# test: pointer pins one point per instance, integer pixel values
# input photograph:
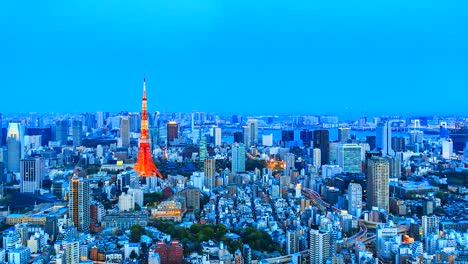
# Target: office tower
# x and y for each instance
(135, 122)
(447, 148)
(395, 166)
(238, 158)
(321, 141)
(267, 140)
(246, 136)
(145, 165)
(217, 136)
(238, 137)
(317, 156)
(61, 132)
(126, 202)
(385, 236)
(14, 146)
(287, 135)
(399, 144)
(125, 131)
(383, 139)
(32, 174)
(290, 161)
(355, 199)
(319, 249)
(77, 128)
(349, 157)
(79, 203)
(210, 170)
(100, 119)
(378, 183)
(72, 252)
(371, 141)
(306, 137)
(172, 131)
(89, 121)
(430, 225)
(203, 153)
(344, 134)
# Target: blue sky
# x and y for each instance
(262, 56)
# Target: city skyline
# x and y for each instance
(323, 58)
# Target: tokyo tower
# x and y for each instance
(145, 165)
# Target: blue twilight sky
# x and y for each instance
(245, 56)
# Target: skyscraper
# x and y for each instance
(378, 173)
(125, 131)
(306, 137)
(14, 146)
(172, 131)
(145, 165)
(79, 203)
(321, 141)
(383, 140)
(290, 161)
(238, 158)
(32, 174)
(287, 135)
(317, 156)
(77, 128)
(355, 199)
(344, 134)
(210, 170)
(251, 133)
(61, 132)
(349, 157)
(430, 225)
(217, 136)
(319, 249)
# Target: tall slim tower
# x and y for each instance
(145, 165)
(210, 171)
(79, 203)
(355, 199)
(77, 127)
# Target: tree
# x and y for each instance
(136, 232)
(137, 207)
(133, 255)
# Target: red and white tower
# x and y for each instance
(145, 165)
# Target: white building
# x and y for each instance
(355, 199)
(267, 140)
(19, 255)
(447, 148)
(126, 202)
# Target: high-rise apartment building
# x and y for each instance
(349, 157)
(79, 203)
(430, 225)
(355, 199)
(238, 158)
(319, 249)
(32, 174)
(217, 136)
(210, 171)
(378, 173)
(251, 132)
(290, 161)
(317, 157)
(321, 141)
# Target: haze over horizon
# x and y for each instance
(300, 57)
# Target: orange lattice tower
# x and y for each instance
(145, 165)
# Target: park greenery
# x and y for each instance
(192, 237)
